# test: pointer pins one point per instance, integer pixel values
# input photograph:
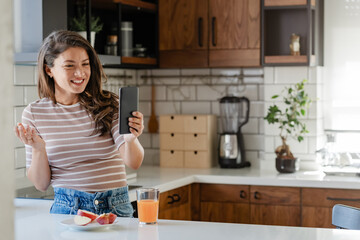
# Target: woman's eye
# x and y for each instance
(69, 66)
(86, 64)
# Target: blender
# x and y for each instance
(234, 113)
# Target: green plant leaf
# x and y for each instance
(302, 112)
(275, 96)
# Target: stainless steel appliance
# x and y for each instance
(234, 113)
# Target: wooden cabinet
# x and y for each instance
(209, 33)
(317, 204)
(175, 204)
(224, 203)
(282, 18)
(143, 18)
(275, 205)
(250, 204)
(188, 141)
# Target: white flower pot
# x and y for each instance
(83, 34)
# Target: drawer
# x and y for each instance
(196, 141)
(174, 198)
(171, 124)
(195, 123)
(171, 158)
(171, 141)
(197, 159)
(324, 197)
(275, 195)
(224, 193)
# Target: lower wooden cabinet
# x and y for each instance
(317, 204)
(286, 206)
(175, 204)
(275, 205)
(224, 203)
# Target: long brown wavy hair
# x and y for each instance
(100, 104)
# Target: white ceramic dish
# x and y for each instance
(69, 223)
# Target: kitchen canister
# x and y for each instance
(127, 39)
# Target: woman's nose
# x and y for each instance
(79, 72)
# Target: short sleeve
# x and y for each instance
(28, 120)
(118, 138)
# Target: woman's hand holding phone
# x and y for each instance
(136, 124)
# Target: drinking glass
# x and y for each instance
(148, 205)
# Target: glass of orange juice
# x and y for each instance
(148, 205)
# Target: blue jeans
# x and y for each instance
(68, 201)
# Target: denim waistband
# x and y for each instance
(98, 199)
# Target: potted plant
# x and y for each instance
(290, 124)
(78, 24)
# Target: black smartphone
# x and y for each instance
(128, 103)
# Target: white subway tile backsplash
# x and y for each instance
(269, 75)
(18, 114)
(30, 94)
(145, 108)
(226, 80)
(166, 81)
(210, 93)
(253, 80)
(290, 75)
(151, 157)
(252, 126)
(20, 173)
(24, 75)
(181, 93)
(249, 91)
(145, 93)
(256, 109)
(253, 142)
(199, 71)
(167, 108)
(165, 72)
(261, 92)
(195, 107)
(261, 125)
(18, 96)
(253, 71)
(225, 71)
(20, 158)
(155, 142)
(145, 140)
(269, 144)
(215, 108)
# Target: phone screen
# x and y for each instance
(128, 103)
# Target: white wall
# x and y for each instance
(6, 120)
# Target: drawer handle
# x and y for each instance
(195, 152)
(242, 194)
(344, 199)
(171, 201)
(172, 151)
(176, 197)
(195, 117)
(172, 134)
(195, 134)
(172, 117)
(257, 195)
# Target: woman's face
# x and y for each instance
(71, 73)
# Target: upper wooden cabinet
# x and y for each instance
(209, 33)
(281, 19)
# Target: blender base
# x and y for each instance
(231, 163)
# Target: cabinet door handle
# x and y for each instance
(214, 31)
(343, 199)
(242, 194)
(176, 197)
(257, 195)
(200, 31)
(171, 201)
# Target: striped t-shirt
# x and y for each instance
(77, 159)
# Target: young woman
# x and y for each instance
(71, 134)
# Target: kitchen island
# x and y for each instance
(33, 222)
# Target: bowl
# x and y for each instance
(285, 165)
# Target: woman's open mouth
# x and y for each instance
(77, 82)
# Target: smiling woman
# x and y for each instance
(71, 134)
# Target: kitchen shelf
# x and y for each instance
(139, 60)
(282, 18)
(141, 5)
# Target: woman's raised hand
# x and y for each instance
(29, 136)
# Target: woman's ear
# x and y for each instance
(48, 71)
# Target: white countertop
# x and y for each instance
(170, 178)
(33, 222)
